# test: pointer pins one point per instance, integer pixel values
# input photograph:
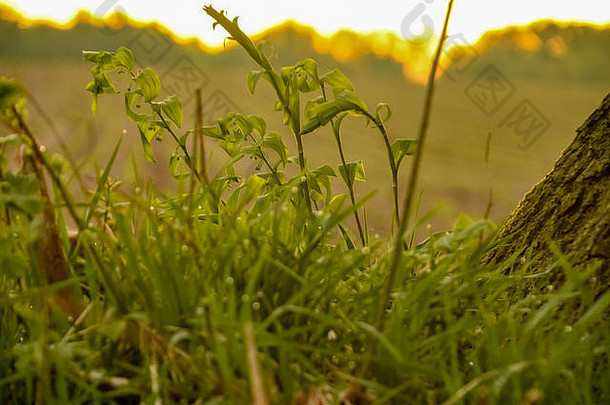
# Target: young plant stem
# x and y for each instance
(187, 155)
(276, 82)
(350, 187)
(266, 161)
(393, 167)
(489, 178)
(7, 212)
(398, 243)
(203, 170)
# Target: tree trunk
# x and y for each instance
(570, 207)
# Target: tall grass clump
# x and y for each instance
(266, 288)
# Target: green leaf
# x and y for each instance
(253, 78)
(273, 140)
(321, 177)
(353, 171)
(337, 203)
(10, 92)
(322, 113)
(402, 148)
(293, 98)
(310, 107)
(178, 168)
(258, 124)
(99, 85)
(148, 131)
(462, 222)
(149, 84)
(231, 147)
(338, 81)
(20, 192)
(354, 99)
(306, 74)
(348, 240)
(252, 189)
(130, 98)
(125, 57)
(172, 107)
(286, 73)
(325, 170)
(213, 131)
(235, 127)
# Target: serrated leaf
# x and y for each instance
(149, 84)
(353, 171)
(402, 148)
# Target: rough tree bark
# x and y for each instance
(570, 206)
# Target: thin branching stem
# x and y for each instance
(398, 247)
(350, 186)
(393, 166)
(203, 169)
(187, 155)
(261, 59)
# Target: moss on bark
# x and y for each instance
(570, 207)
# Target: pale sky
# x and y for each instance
(470, 17)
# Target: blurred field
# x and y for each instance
(49, 63)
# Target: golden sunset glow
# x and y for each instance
(345, 38)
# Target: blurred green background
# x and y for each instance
(563, 71)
